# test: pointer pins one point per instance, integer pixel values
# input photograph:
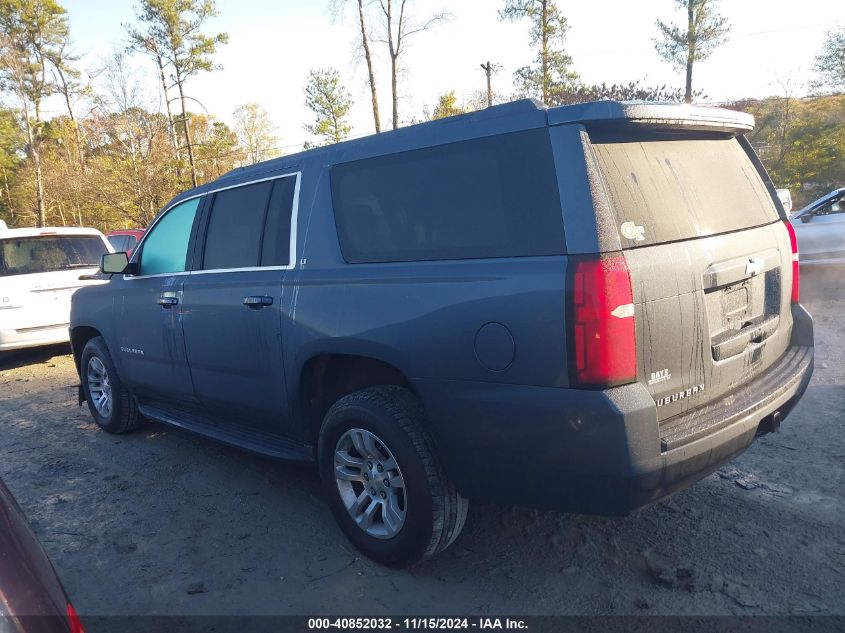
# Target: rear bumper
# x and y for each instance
(33, 337)
(600, 452)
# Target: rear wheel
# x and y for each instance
(385, 486)
(113, 408)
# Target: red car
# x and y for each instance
(32, 599)
(125, 240)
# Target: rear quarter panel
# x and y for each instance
(421, 317)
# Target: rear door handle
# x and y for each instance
(258, 301)
(168, 299)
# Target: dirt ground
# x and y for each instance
(163, 522)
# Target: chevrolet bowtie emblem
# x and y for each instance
(754, 267)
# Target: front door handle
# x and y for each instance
(258, 301)
(167, 299)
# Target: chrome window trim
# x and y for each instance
(136, 253)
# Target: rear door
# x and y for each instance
(710, 262)
(232, 305)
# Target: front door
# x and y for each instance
(232, 306)
(821, 234)
(148, 311)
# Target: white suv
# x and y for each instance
(40, 269)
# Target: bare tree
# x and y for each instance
(67, 80)
(336, 6)
(144, 42)
(682, 47)
(398, 27)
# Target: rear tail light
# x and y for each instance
(603, 347)
(796, 273)
(73, 620)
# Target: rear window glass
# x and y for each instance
(47, 253)
(490, 197)
(684, 188)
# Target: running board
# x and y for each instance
(248, 439)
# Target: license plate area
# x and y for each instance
(743, 305)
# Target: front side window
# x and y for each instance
(488, 197)
(836, 205)
(166, 247)
(47, 253)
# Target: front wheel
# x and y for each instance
(113, 408)
(385, 485)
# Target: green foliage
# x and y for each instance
(173, 27)
(31, 33)
(447, 105)
(801, 142)
(255, 133)
(704, 30)
(330, 102)
(829, 64)
(551, 71)
(633, 91)
(697, 39)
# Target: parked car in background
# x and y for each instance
(820, 229)
(125, 240)
(786, 200)
(585, 308)
(32, 599)
(40, 269)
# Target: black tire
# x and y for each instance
(435, 512)
(123, 416)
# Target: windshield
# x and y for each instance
(45, 253)
(682, 188)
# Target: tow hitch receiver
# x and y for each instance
(769, 424)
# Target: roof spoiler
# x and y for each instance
(653, 115)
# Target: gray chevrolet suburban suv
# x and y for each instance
(585, 308)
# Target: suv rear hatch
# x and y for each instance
(710, 261)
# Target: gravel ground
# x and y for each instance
(163, 522)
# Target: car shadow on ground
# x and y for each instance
(15, 359)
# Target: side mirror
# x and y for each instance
(113, 263)
(806, 217)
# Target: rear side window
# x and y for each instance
(275, 250)
(682, 188)
(490, 197)
(47, 253)
(165, 249)
(234, 230)
(250, 226)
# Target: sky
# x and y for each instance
(274, 43)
